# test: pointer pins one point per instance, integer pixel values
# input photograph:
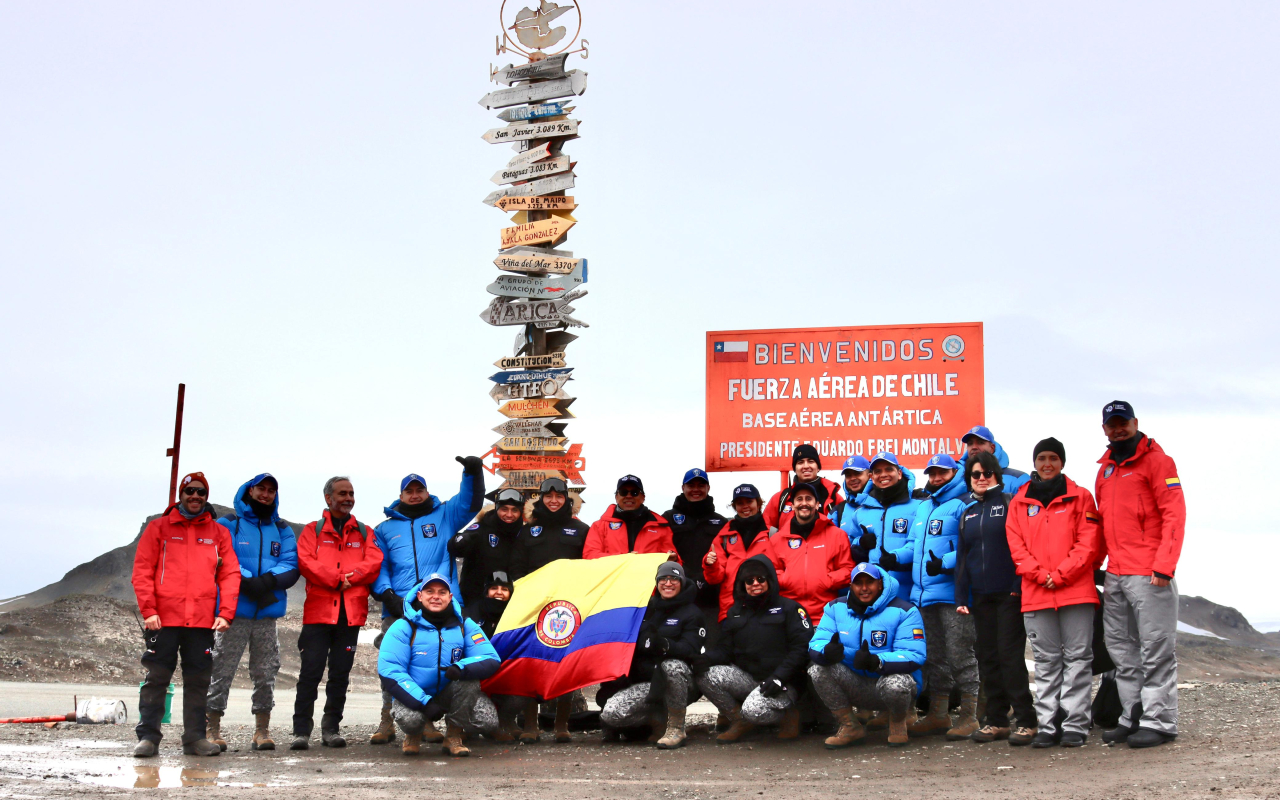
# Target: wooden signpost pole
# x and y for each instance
(540, 281)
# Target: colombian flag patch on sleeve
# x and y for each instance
(1092, 516)
(477, 637)
(917, 633)
(1173, 483)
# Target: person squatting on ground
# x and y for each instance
(186, 582)
(988, 588)
(811, 554)
(1143, 516)
(754, 673)
(487, 613)
(415, 539)
(805, 463)
(628, 526)
(867, 653)
(746, 535)
(340, 558)
(431, 662)
(268, 555)
(931, 554)
(1053, 537)
(659, 685)
(695, 524)
(883, 520)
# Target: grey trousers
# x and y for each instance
(461, 704)
(732, 689)
(840, 687)
(631, 707)
(259, 635)
(949, 643)
(1062, 643)
(1140, 622)
(386, 623)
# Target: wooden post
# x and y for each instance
(173, 452)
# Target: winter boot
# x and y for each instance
(300, 742)
(453, 745)
(877, 721)
(563, 707)
(201, 747)
(330, 737)
(657, 723)
(430, 734)
(967, 723)
(215, 730)
(674, 736)
(261, 734)
(789, 728)
(412, 744)
(507, 728)
(145, 749)
(897, 730)
(722, 723)
(738, 727)
(936, 721)
(386, 731)
(850, 731)
(529, 734)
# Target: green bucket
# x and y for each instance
(168, 703)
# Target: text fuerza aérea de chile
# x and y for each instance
(852, 387)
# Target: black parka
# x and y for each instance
(767, 637)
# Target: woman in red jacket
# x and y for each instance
(1053, 537)
(745, 536)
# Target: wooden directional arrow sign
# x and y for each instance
(534, 112)
(527, 375)
(540, 427)
(522, 312)
(539, 262)
(559, 340)
(529, 156)
(524, 172)
(524, 286)
(528, 479)
(550, 388)
(534, 443)
(574, 82)
(549, 67)
(554, 203)
(539, 407)
(569, 463)
(548, 361)
(549, 231)
(556, 183)
(536, 129)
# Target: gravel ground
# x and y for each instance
(1229, 747)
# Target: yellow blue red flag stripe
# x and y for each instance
(1173, 483)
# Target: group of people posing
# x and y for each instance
(856, 598)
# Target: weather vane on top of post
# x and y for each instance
(534, 30)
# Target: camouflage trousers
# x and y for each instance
(461, 703)
(951, 659)
(727, 686)
(259, 635)
(631, 706)
(840, 687)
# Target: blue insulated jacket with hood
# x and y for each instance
(415, 548)
(935, 531)
(264, 547)
(1013, 478)
(890, 525)
(892, 628)
(414, 654)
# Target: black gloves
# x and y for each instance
(934, 565)
(834, 651)
(269, 581)
(864, 659)
(771, 687)
(700, 665)
(656, 645)
(889, 561)
(255, 589)
(470, 464)
(867, 541)
(393, 603)
(453, 673)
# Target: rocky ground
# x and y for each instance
(1229, 747)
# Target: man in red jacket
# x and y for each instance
(628, 526)
(1143, 515)
(811, 554)
(805, 463)
(187, 580)
(340, 559)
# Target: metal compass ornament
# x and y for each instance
(533, 29)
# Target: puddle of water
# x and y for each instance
(139, 776)
(91, 744)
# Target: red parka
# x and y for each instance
(730, 553)
(1143, 511)
(186, 571)
(608, 536)
(778, 510)
(1061, 539)
(325, 557)
(812, 570)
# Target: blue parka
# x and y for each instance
(415, 548)
(892, 628)
(263, 547)
(414, 654)
(1013, 478)
(935, 530)
(891, 526)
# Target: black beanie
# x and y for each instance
(1050, 445)
(805, 451)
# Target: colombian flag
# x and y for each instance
(571, 624)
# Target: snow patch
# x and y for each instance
(1185, 628)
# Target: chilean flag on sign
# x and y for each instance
(730, 351)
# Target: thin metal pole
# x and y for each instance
(173, 452)
(786, 478)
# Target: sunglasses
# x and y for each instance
(669, 580)
(750, 579)
(629, 493)
(193, 490)
(982, 473)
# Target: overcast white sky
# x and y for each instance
(279, 204)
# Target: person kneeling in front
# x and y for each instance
(867, 652)
(431, 662)
(759, 661)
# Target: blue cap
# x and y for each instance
(888, 458)
(982, 432)
(942, 461)
(410, 478)
(436, 577)
(867, 568)
(695, 474)
(746, 490)
(1118, 408)
(257, 479)
(631, 479)
(855, 463)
